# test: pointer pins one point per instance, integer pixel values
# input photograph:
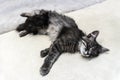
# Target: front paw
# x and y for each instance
(43, 53)
(44, 71)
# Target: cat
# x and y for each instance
(64, 34)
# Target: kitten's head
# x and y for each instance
(89, 47)
(35, 21)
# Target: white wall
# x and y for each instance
(11, 9)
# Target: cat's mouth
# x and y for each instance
(85, 54)
(82, 48)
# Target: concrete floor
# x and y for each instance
(20, 60)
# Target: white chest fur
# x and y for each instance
(53, 31)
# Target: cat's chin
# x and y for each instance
(85, 55)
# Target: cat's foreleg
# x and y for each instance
(53, 55)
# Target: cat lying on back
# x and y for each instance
(64, 34)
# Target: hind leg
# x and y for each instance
(20, 28)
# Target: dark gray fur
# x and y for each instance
(64, 34)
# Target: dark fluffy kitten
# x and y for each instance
(64, 34)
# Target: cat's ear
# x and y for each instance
(93, 35)
(85, 39)
(104, 50)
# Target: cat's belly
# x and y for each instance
(53, 32)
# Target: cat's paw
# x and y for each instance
(43, 53)
(44, 71)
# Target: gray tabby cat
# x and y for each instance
(64, 34)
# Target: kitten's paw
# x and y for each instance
(43, 53)
(44, 71)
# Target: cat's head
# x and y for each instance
(89, 47)
(34, 22)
